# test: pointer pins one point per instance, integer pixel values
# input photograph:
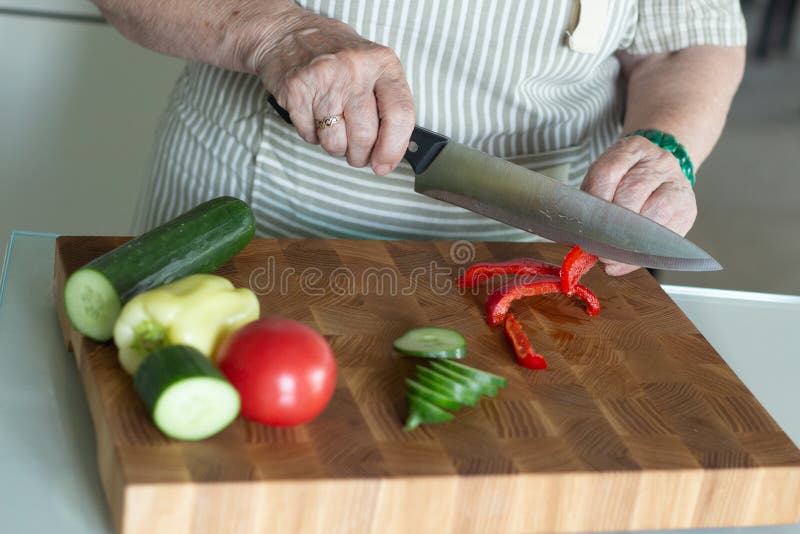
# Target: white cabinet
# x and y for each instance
(79, 106)
(75, 7)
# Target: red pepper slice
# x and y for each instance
(576, 263)
(526, 356)
(499, 302)
(480, 272)
(591, 300)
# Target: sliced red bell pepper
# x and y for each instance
(591, 300)
(498, 303)
(480, 272)
(523, 350)
(576, 263)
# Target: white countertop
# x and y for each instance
(48, 472)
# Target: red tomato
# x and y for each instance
(284, 371)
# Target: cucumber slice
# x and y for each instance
(187, 396)
(476, 374)
(478, 387)
(455, 390)
(432, 342)
(431, 395)
(421, 411)
(198, 241)
(90, 299)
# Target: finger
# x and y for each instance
(670, 205)
(311, 88)
(361, 120)
(296, 100)
(333, 138)
(619, 269)
(660, 205)
(682, 222)
(606, 172)
(635, 188)
(396, 110)
(634, 191)
(673, 206)
(616, 268)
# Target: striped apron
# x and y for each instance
(497, 75)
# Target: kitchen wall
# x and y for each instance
(78, 108)
(748, 191)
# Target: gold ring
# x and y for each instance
(329, 121)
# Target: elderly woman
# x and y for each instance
(580, 90)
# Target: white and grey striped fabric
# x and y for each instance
(493, 74)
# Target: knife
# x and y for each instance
(493, 187)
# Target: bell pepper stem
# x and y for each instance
(149, 336)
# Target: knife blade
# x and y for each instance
(495, 188)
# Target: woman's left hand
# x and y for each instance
(636, 174)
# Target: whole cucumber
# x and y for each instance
(198, 241)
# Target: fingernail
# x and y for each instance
(383, 169)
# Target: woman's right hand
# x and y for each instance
(320, 68)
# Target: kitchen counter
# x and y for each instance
(47, 452)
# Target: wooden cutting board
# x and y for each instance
(637, 423)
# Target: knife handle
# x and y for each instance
(281, 111)
(423, 147)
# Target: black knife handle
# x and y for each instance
(282, 112)
(423, 147)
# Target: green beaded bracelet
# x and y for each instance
(670, 144)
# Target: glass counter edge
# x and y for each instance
(10, 249)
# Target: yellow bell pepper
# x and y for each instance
(198, 310)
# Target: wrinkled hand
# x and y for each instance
(322, 67)
(636, 174)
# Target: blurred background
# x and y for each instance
(79, 106)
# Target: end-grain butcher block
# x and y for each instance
(636, 424)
